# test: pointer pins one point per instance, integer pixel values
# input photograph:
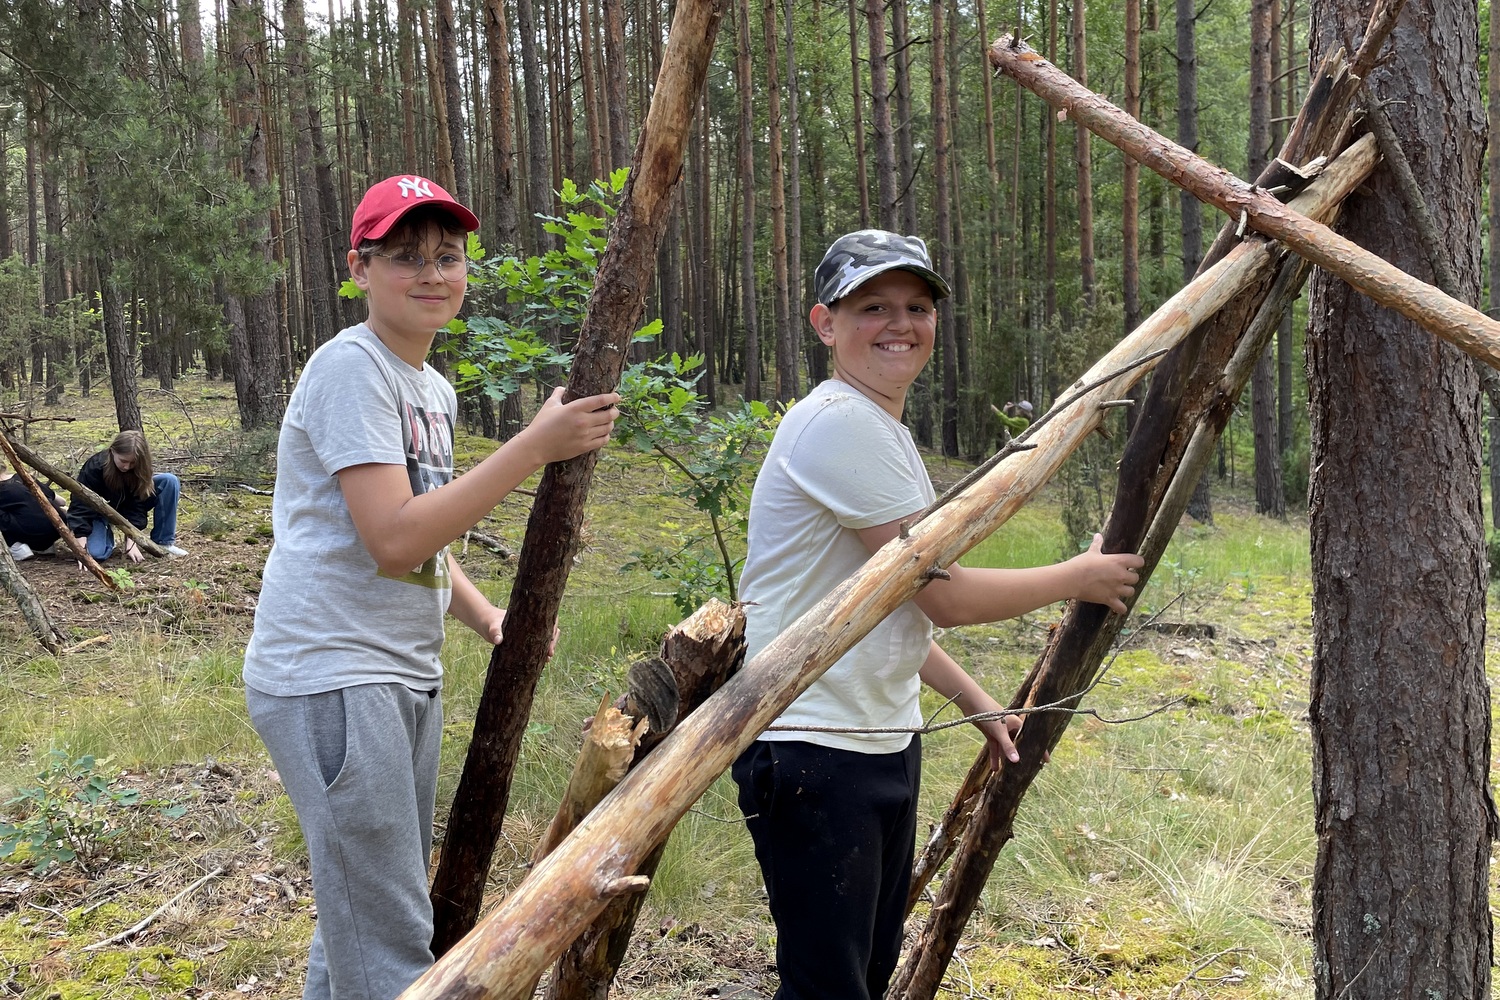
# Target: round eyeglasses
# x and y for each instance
(450, 266)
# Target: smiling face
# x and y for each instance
(881, 335)
(406, 313)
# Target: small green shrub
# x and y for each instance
(71, 816)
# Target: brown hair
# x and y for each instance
(138, 481)
(406, 233)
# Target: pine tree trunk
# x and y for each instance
(1494, 232)
(862, 175)
(1190, 210)
(1269, 499)
(1084, 160)
(1049, 189)
(593, 115)
(748, 317)
(906, 155)
(614, 75)
(1400, 707)
(786, 344)
(453, 101)
(319, 284)
(943, 250)
(797, 314)
(257, 374)
(880, 116)
(1130, 225)
(538, 173)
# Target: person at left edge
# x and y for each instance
(342, 674)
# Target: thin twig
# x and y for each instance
(1193, 972)
(1021, 441)
(151, 917)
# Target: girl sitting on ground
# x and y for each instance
(122, 474)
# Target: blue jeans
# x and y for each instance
(163, 519)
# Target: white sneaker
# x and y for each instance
(20, 552)
(174, 551)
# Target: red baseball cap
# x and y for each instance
(386, 202)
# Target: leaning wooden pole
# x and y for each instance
(1461, 325)
(600, 859)
(614, 313)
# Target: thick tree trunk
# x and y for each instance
(124, 383)
(614, 312)
(453, 100)
(614, 75)
(796, 272)
(1400, 890)
(319, 285)
(538, 173)
(1049, 188)
(906, 154)
(260, 369)
(506, 219)
(1494, 231)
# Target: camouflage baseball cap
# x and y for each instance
(858, 257)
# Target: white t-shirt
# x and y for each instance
(328, 618)
(838, 463)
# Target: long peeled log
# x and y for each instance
(511, 947)
(1250, 260)
(1463, 326)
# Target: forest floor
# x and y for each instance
(1169, 858)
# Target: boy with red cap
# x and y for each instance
(342, 675)
(830, 794)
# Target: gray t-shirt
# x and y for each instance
(328, 617)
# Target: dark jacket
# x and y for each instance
(81, 516)
(22, 518)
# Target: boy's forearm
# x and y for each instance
(467, 604)
(943, 674)
(973, 596)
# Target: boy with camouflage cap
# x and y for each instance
(833, 814)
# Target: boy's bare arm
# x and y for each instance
(943, 674)
(973, 596)
(402, 531)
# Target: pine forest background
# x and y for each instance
(177, 181)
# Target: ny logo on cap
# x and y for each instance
(415, 186)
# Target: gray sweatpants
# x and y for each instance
(360, 766)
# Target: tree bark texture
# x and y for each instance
(1268, 494)
(614, 312)
(880, 116)
(784, 331)
(1400, 707)
(745, 86)
(1083, 162)
(943, 250)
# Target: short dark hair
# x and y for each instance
(405, 234)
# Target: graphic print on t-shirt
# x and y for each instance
(428, 439)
